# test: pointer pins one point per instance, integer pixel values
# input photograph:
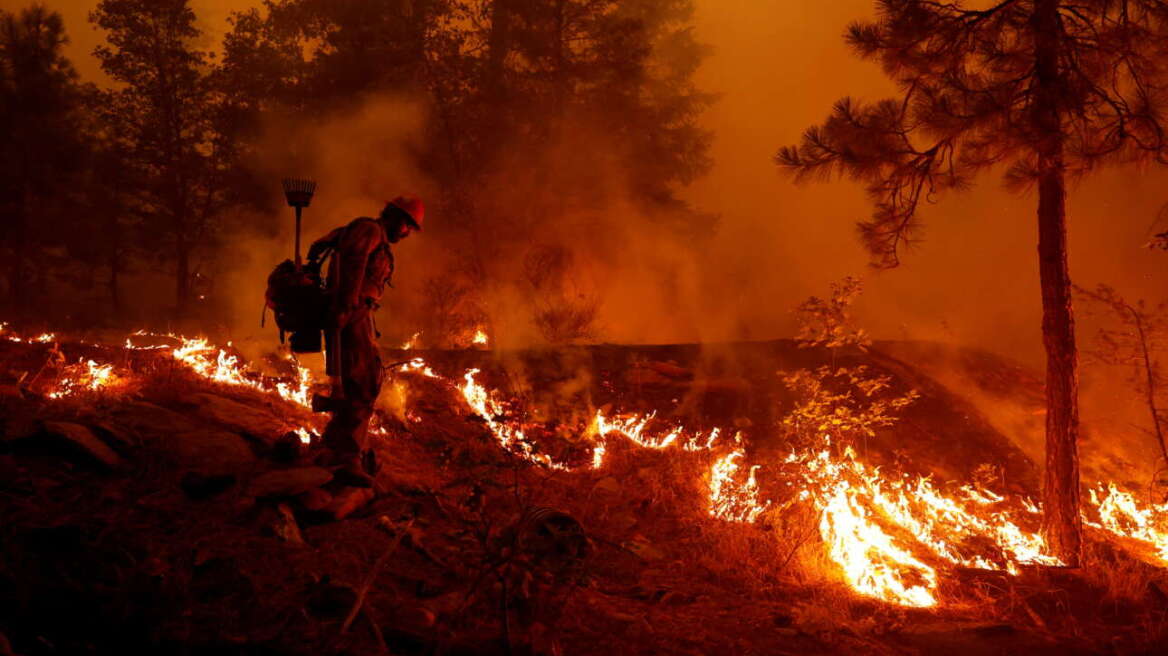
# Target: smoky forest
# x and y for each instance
(583, 327)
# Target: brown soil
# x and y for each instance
(175, 555)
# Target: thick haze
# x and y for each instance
(778, 65)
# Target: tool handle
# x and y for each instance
(298, 237)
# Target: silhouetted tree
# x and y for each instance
(109, 234)
(531, 76)
(1049, 89)
(41, 145)
(163, 111)
(1133, 339)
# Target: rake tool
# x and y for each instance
(298, 192)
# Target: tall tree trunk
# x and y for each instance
(115, 267)
(19, 280)
(1062, 525)
(182, 279)
(498, 45)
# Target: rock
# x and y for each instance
(348, 500)
(330, 600)
(150, 422)
(257, 423)
(416, 617)
(289, 482)
(288, 448)
(285, 526)
(208, 452)
(671, 370)
(649, 377)
(81, 438)
(607, 484)
(197, 486)
(641, 546)
(315, 499)
(114, 434)
(11, 393)
(19, 427)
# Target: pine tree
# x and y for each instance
(1048, 89)
(41, 145)
(164, 109)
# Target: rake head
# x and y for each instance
(299, 191)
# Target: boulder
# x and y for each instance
(113, 434)
(208, 452)
(671, 370)
(639, 376)
(18, 426)
(148, 421)
(198, 487)
(256, 422)
(11, 393)
(348, 500)
(289, 482)
(284, 525)
(315, 500)
(82, 440)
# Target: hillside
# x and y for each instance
(160, 496)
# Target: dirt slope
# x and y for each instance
(199, 529)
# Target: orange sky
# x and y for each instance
(779, 64)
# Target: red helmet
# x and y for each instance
(413, 207)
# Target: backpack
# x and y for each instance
(299, 301)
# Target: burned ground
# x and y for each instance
(174, 515)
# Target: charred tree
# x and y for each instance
(1047, 89)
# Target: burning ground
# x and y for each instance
(159, 495)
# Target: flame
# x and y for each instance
(632, 427)
(299, 393)
(859, 503)
(217, 365)
(480, 338)
(509, 435)
(1120, 514)
(892, 536)
(871, 562)
(411, 343)
(418, 365)
(43, 338)
(87, 376)
(731, 500)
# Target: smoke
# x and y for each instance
(777, 66)
(360, 160)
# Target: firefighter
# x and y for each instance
(359, 269)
